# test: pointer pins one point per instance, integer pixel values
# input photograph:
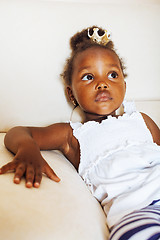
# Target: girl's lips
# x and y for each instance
(103, 97)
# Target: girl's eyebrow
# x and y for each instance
(113, 65)
(84, 68)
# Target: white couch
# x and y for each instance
(34, 43)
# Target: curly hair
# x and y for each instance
(79, 43)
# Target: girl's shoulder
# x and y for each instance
(153, 128)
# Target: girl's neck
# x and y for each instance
(96, 117)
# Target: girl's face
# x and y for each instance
(97, 83)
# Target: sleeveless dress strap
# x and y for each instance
(129, 107)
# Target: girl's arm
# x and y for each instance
(26, 143)
(155, 131)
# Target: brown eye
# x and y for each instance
(87, 77)
(112, 75)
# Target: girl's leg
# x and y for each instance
(139, 225)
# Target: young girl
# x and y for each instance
(117, 156)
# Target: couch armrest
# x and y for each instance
(64, 210)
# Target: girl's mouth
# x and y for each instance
(103, 97)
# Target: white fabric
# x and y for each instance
(119, 162)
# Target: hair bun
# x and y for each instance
(79, 39)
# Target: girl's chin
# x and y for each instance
(105, 112)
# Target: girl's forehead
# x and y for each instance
(96, 53)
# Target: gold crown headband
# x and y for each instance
(95, 37)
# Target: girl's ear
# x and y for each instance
(71, 96)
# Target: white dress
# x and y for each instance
(119, 162)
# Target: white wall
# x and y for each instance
(34, 43)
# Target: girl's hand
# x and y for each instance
(31, 164)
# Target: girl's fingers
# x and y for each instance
(38, 178)
(33, 175)
(8, 167)
(29, 176)
(20, 170)
(50, 173)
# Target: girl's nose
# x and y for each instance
(101, 85)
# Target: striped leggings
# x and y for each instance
(139, 225)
